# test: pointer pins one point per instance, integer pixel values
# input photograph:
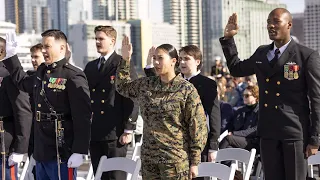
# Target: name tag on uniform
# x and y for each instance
(291, 71)
(57, 83)
(258, 62)
(1, 78)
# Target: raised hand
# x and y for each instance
(11, 44)
(126, 49)
(151, 55)
(232, 26)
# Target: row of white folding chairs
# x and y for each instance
(233, 154)
(205, 169)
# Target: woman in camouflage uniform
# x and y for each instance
(175, 130)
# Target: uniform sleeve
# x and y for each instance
(214, 124)
(22, 117)
(130, 108)
(79, 98)
(196, 119)
(124, 84)
(19, 77)
(313, 83)
(236, 67)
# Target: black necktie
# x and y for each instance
(275, 59)
(102, 62)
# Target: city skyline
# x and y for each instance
(294, 6)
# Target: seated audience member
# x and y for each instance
(243, 127)
(231, 94)
(226, 111)
(251, 80)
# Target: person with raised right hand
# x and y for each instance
(62, 104)
(289, 86)
(174, 129)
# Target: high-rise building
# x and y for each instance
(186, 15)
(114, 9)
(312, 24)
(58, 11)
(82, 39)
(145, 34)
(40, 15)
(28, 15)
(144, 9)
(297, 27)
(19, 13)
(79, 10)
(252, 21)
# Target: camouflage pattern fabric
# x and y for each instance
(174, 127)
(177, 171)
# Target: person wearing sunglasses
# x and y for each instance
(243, 127)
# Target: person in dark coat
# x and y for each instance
(114, 116)
(289, 81)
(61, 95)
(16, 119)
(243, 128)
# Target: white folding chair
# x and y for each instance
(223, 135)
(137, 151)
(26, 173)
(90, 175)
(238, 154)
(135, 156)
(24, 169)
(259, 172)
(118, 163)
(313, 160)
(217, 170)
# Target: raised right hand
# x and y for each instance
(11, 44)
(151, 55)
(126, 49)
(232, 26)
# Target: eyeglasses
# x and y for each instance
(247, 95)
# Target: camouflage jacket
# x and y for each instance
(174, 120)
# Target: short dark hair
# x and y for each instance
(56, 33)
(170, 49)
(37, 47)
(193, 51)
(109, 30)
(173, 53)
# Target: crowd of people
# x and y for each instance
(58, 113)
